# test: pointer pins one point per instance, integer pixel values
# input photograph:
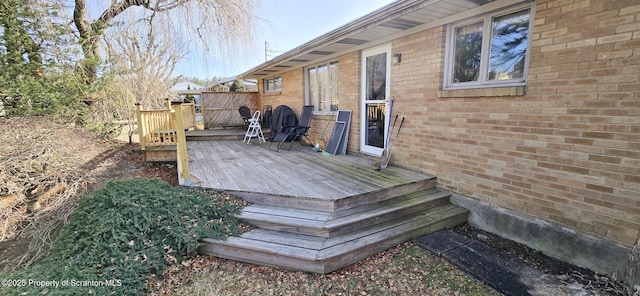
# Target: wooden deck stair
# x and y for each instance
(321, 238)
(221, 134)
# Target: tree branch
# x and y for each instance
(83, 26)
(118, 7)
(169, 5)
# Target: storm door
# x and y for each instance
(375, 98)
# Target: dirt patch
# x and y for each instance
(562, 275)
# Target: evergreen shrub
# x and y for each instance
(121, 233)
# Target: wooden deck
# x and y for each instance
(320, 180)
(316, 212)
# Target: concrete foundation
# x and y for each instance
(583, 250)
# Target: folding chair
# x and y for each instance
(245, 113)
(293, 133)
(254, 129)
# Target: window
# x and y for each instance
(489, 51)
(322, 86)
(273, 84)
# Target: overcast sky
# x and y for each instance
(284, 24)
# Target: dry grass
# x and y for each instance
(41, 178)
(403, 270)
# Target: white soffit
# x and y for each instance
(396, 20)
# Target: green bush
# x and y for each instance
(104, 130)
(123, 232)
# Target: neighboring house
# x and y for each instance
(224, 85)
(189, 90)
(528, 110)
(186, 85)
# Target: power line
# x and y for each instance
(269, 54)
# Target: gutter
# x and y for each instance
(373, 19)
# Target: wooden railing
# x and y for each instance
(182, 158)
(156, 128)
(189, 115)
(167, 127)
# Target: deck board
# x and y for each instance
(231, 165)
(316, 212)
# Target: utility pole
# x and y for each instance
(268, 52)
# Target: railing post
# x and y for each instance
(193, 115)
(141, 131)
(184, 176)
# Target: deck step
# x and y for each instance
(160, 153)
(342, 204)
(323, 255)
(328, 225)
(214, 137)
(220, 134)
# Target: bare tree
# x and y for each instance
(143, 62)
(140, 65)
(214, 23)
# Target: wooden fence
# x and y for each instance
(220, 109)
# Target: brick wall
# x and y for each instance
(565, 148)
(348, 94)
(292, 93)
(567, 151)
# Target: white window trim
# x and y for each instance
(486, 42)
(307, 99)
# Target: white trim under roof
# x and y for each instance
(393, 21)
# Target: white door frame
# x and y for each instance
(364, 124)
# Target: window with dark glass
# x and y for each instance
(376, 71)
(510, 34)
(273, 84)
(491, 51)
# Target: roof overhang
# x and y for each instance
(188, 91)
(394, 21)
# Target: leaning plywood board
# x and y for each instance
(336, 136)
(345, 116)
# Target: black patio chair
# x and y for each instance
(292, 133)
(245, 113)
